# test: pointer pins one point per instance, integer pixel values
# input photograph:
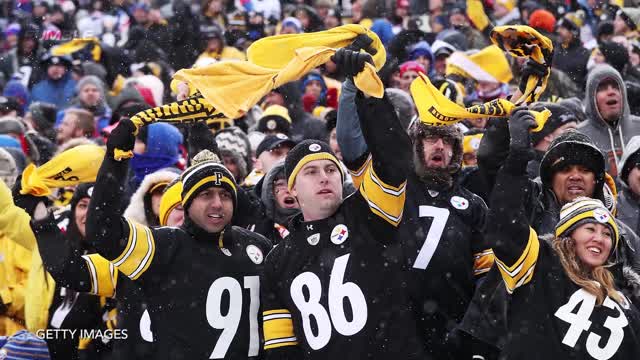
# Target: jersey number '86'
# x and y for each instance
(340, 294)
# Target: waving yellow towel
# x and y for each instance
(78, 44)
(436, 109)
(233, 87)
(524, 41)
(74, 166)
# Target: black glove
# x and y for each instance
(362, 42)
(520, 122)
(121, 139)
(201, 138)
(27, 202)
(529, 68)
(351, 62)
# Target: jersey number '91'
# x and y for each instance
(230, 322)
(338, 292)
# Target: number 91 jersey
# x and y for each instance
(552, 318)
(334, 289)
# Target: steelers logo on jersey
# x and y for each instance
(459, 203)
(225, 251)
(339, 234)
(255, 254)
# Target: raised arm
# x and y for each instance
(515, 244)
(383, 182)
(352, 143)
(129, 246)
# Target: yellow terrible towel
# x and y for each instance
(74, 45)
(436, 109)
(524, 41)
(74, 166)
(233, 87)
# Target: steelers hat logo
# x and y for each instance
(90, 191)
(601, 215)
(282, 136)
(314, 147)
(271, 124)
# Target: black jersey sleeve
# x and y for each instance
(483, 257)
(384, 175)
(82, 273)
(280, 340)
(514, 242)
(130, 246)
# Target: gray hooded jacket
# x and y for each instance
(603, 135)
(629, 203)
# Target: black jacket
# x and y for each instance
(184, 273)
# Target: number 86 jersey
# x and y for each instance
(333, 290)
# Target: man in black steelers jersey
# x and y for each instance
(202, 279)
(333, 288)
(444, 251)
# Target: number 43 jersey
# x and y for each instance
(552, 318)
(333, 290)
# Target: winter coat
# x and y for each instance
(139, 209)
(14, 263)
(572, 60)
(606, 137)
(628, 204)
(275, 222)
(59, 92)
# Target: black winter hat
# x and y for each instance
(82, 191)
(43, 114)
(305, 152)
(632, 162)
(206, 171)
(572, 148)
(560, 115)
(615, 54)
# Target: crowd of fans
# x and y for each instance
(73, 72)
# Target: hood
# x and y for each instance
(136, 210)
(632, 147)
(280, 216)
(596, 76)
(422, 48)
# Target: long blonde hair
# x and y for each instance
(597, 281)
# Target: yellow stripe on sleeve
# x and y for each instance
(521, 272)
(384, 200)
(138, 254)
(278, 329)
(483, 261)
(358, 175)
(103, 275)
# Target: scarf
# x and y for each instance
(434, 108)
